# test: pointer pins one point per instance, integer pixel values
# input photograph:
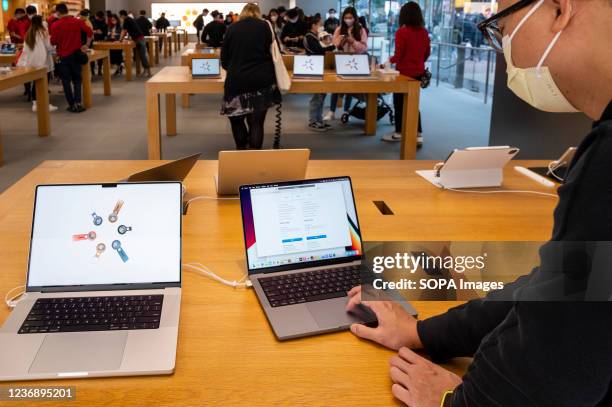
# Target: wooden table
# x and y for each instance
(128, 54)
(93, 56)
(177, 79)
(8, 59)
(183, 37)
(152, 49)
(175, 40)
(227, 353)
(166, 44)
(19, 76)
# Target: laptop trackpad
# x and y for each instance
(80, 352)
(332, 313)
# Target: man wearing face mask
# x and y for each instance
(332, 21)
(530, 353)
(293, 32)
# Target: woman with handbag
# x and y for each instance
(37, 53)
(251, 82)
(411, 51)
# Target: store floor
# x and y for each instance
(115, 128)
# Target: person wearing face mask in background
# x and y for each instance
(293, 32)
(332, 22)
(18, 26)
(530, 353)
(350, 37)
(274, 18)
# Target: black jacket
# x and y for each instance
(102, 26)
(162, 23)
(293, 30)
(213, 34)
(541, 353)
(313, 46)
(331, 24)
(144, 24)
(246, 57)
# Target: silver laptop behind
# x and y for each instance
(353, 66)
(304, 253)
(103, 287)
(238, 168)
(308, 66)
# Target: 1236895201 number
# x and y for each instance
(8, 393)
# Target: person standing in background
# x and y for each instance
(293, 32)
(313, 46)
(18, 26)
(229, 19)
(129, 26)
(114, 34)
(66, 35)
(332, 21)
(36, 53)
(100, 32)
(250, 86)
(84, 17)
(143, 23)
(162, 23)
(275, 20)
(352, 38)
(214, 31)
(198, 23)
(412, 48)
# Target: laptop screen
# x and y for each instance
(300, 224)
(98, 235)
(311, 65)
(352, 64)
(205, 67)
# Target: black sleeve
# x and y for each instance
(204, 34)
(225, 50)
(554, 353)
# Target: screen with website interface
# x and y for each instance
(89, 234)
(205, 66)
(292, 224)
(308, 64)
(347, 64)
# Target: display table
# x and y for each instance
(8, 59)
(152, 49)
(96, 55)
(128, 54)
(186, 58)
(174, 80)
(19, 76)
(165, 39)
(227, 353)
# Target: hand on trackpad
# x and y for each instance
(365, 314)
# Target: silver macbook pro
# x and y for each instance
(304, 253)
(353, 66)
(205, 68)
(308, 66)
(238, 168)
(103, 287)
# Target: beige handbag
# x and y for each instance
(283, 81)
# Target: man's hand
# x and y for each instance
(419, 382)
(396, 328)
(84, 48)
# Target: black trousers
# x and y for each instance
(398, 106)
(69, 70)
(250, 138)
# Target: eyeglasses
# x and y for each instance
(490, 27)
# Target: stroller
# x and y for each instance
(358, 110)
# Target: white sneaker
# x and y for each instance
(52, 108)
(392, 137)
(419, 139)
(329, 116)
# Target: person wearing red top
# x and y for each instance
(66, 35)
(411, 51)
(18, 26)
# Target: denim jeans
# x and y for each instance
(334, 102)
(315, 114)
(141, 49)
(69, 71)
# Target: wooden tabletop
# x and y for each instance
(227, 353)
(8, 59)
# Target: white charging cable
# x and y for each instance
(12, 301)
(244, 282)
(508, 191)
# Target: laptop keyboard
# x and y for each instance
(93, 314)
(310, 286)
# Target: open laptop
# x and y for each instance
(205, 68)
(175, 170)
(238, 168)
(353, 66)
(308, 66)
(304, 253)
(103, 288)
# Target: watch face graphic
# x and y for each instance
(308, 64)
(352, 64)
(98, 221)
